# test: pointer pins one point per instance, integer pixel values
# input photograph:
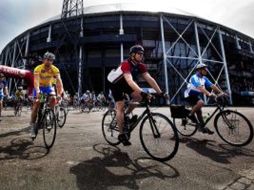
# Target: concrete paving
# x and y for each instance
(81, 159)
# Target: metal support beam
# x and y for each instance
(197, 42)
(164, 54)
(225, 66)
(80, 71)
(72, 8)
(27, 48)
(13, 62)
(49, 34)
(81, 34)
(199, 50)
(121, 32)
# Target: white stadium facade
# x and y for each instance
(90, 44)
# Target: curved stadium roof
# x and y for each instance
(129, 7)
(141, 7)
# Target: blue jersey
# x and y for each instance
(196, 81)
(2, 86)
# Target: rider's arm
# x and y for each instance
(5, 91)
(204, 91)
(216, 89)
(37, 82)
(59, 84)
(150, 80)
(131, 82)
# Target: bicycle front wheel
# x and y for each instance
(49, 128)
(233, 128)
(61, 117)
(110, 130)
(159, 137)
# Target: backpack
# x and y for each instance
(115, 74)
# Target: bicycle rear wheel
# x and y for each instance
(185, 127)
(159, 137)
(233, 128)
(110, 130)
(61, 117)
(49, 128)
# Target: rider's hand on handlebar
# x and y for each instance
(164, 95)
(59, 98)
(146, 96)
(212, 96)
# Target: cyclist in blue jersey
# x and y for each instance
(124, 81)
(3, 91)
(196, 87)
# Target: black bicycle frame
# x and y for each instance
(214, 112)
(146, 112)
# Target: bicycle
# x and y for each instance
(155, 133)
(61, 114)
(46, 121)
(230, 125)
(18, 107)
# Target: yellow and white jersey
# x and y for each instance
(46, 77)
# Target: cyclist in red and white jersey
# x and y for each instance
(124, 81)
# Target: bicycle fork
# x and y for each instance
(152, 122)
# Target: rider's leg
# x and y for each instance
(198, 111)
(34, 112)
(120, 122)
(200, 117)
(197, 107)
(120, 115)
(136, 97)
(52, 101)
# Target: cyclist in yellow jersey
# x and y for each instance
(44, 75)
(19, 93)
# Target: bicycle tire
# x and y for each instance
(110, 130)
(184, 127)
(232, 128)
(61, 122)
(49, 126)
(19, 111)
(153, 150)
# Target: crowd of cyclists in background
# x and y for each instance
(89, 99)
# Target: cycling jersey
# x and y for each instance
(116, 76)
(120, 86)
(19, 94)
(196, 81)
(46, 77)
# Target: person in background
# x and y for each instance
(3, 91)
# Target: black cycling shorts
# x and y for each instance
(192, 100)
(119, 89)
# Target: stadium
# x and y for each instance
(89, 44)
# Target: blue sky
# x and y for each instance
(16, 16)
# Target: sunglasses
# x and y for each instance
(140, 53)
(51, 60)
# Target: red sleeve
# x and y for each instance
(125, 66)
(142, 68)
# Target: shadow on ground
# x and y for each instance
(115, 169)
(22, 148)
(217, 152)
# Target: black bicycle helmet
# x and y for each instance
(136, 49)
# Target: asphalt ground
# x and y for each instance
(81, 159)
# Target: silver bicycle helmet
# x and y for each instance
(49, 55)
